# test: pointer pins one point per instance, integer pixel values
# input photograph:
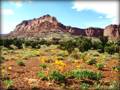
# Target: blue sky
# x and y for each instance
(80, 14)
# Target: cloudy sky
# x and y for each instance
(80, 13)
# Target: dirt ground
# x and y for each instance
(26, 76)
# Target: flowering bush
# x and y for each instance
(60, 63)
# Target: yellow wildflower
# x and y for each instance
(9, 67)
(3, 70)
(60, 63)
(53, 50)
(43, 59)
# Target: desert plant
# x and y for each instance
(91, 61)
(8, 83)
(114, 85)
(116, 68)
(100, 66)
(43, 66)
(84, 86)
(86, 74)
(76, 53)
(20, 63)
(2, 59)
(42, 75)
(57, 76)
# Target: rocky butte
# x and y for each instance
(47, 24)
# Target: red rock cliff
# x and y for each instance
(47, 23)
(112, 32)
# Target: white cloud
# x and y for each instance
(7, 11)
(108, 8)
(7, 27)
(17, 3)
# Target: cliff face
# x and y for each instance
(47, 24)
(112, 32)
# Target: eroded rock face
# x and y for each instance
(94, 32)
(112, 32)
(48, 24)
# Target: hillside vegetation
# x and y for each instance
(71, 63)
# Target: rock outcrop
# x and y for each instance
(112, 32)
(47, 24)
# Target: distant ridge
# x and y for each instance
(38, 27)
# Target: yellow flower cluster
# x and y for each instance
(53, 50)
(60, 63)
(43, 59)
(3, 70)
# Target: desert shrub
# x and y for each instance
(62, 53)
(116, 68)
(1, 42)
(68, 45)
(2, 59)
(29, 53)
(104, 41)
(76, 53)
(13, 47)
(43, 42)
(18, 43)
(8, 83)
(34, 44)
(96, 44)
(85, 74)
(4, 74)
(114, 85)
(20, 63)
(84, 86)
(43, 66)
(83, 44)
(57, 76)
(42, 75)
(91, 61)
(15, 42)
(112, 47)
(100, 66)
(7, 42)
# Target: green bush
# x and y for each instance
(42, 75)
(20, 63)
(82, 43)
(85, 74)
(76, 53)
(116, 68)
(8, 83)
(112, 47)
(100, 66)
(57, 76)
(96, 44)
(43, 66)
(2, 59)
(91, 61)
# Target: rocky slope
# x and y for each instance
(47, 25)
